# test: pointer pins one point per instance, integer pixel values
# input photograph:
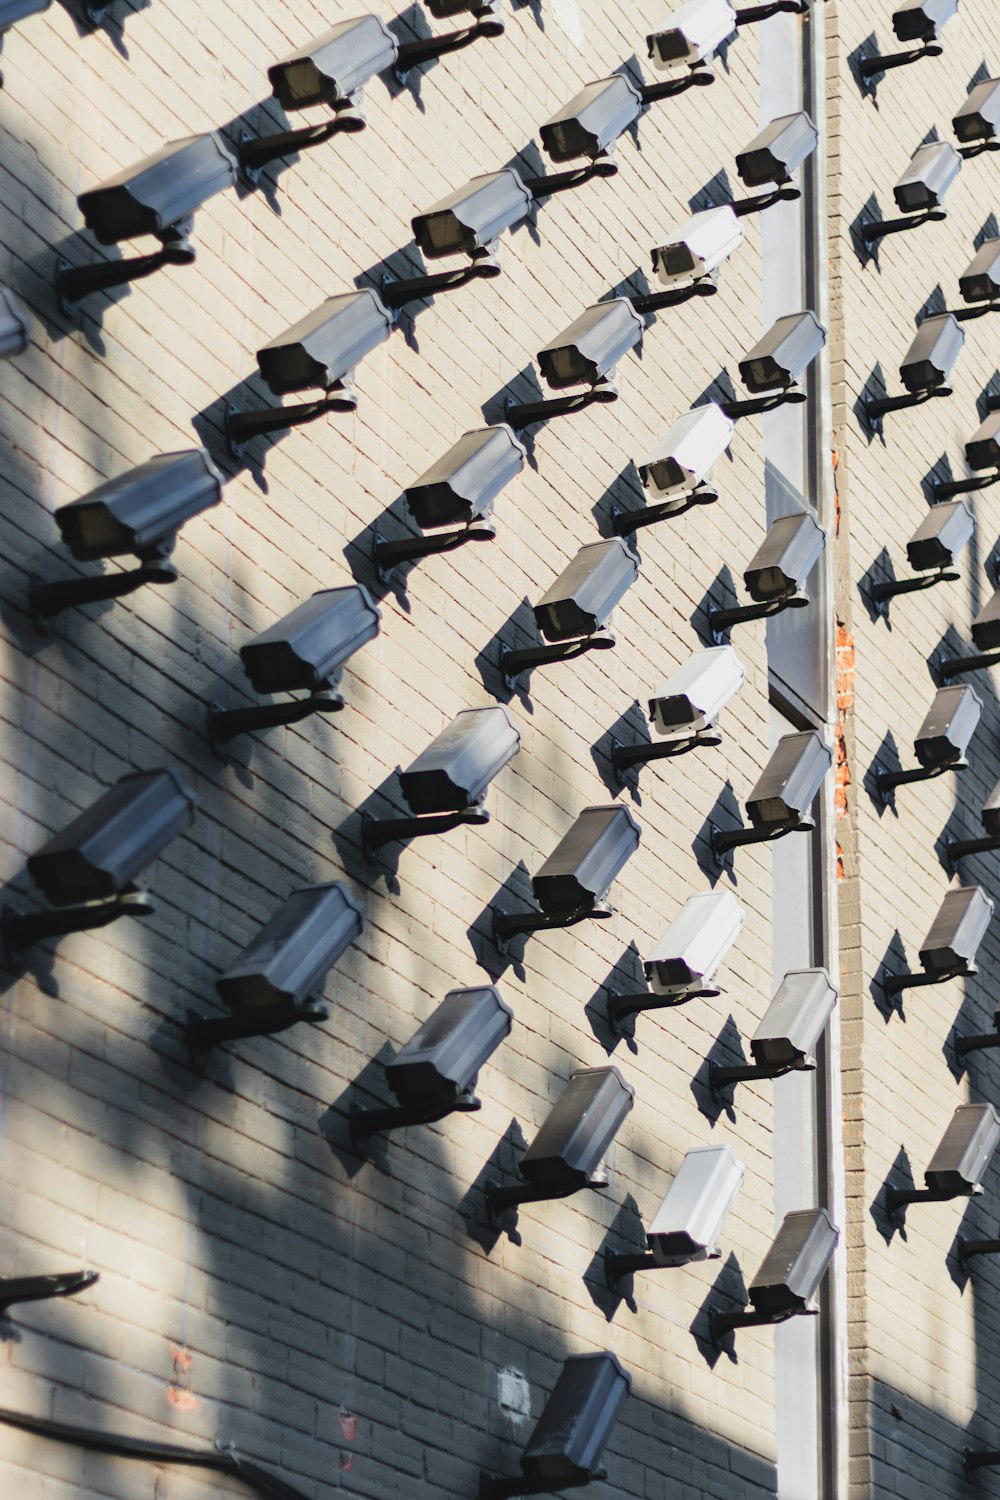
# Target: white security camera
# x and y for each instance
(684, 456)
(694, 945)
(698, 247)
(686, 1225)
(695, 30)
(15, 325)
(692, 698)
(932, 170)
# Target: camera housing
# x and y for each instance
(931, 172)
(941, 536)
(442, 1059)
(979, 117)
(795, 1264)
(160, 192)
(334, 67)
(781, 147)
(980, 282)
(692, 698)
(696, 30)
(141, 509)
(288, 959)
(948, 727)
(698, 247)
(785, 558)
(588, 350)
(694, 945)
(960, 1161)
(957, 930)
(470, 220)
(929, 359)
(461, 486)
(592, 120)
(922, 20)
(783, 354)
(687, 1223)
(323, 348)
(795, 1020)
(102, 851)
(307, 648)
(457, 767)
(982, 451)
(790, 782)
(15, 325)
(572, 1139)
(986, 625)
(576, 1423)
(684, 456)
(583, 598)
(587, 859)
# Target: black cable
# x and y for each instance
(224, 1459)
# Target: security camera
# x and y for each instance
(319, 352)
(158, 196)
(271, 984)
(471, 220)
(956, 849)
(695, 943)
(323, 348)
(790, 782)
(692, 698)
(139, 512)
(948, 727)
(434, 1074)
(684, 456)
(308, 647)
(455, 770)
(795, 1020)
(159, 193)
(791, 1271)
(785, 558)
(15, 325)
(979, 117)
(698, 247)
(795, 1264)
(588, 350)
(956, 932)
(990, 812)
(960, 1161)
(688, 1222)
(959, 1164)
(982, 451)
(784, 353)
(461, 486)
(333, 68)
(774, 154)
(143, 509)
(592, 120)
(986, 625)
(572, 1432)
(442, 1059)
(695, 31)
(12, 11)
(572, 1140)
(284, 965)
(922, 20)
(88, 869)
(932, 170)
(931, 356)
(941, 536)
(980, 282)
(587, 860)
(583, 598)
